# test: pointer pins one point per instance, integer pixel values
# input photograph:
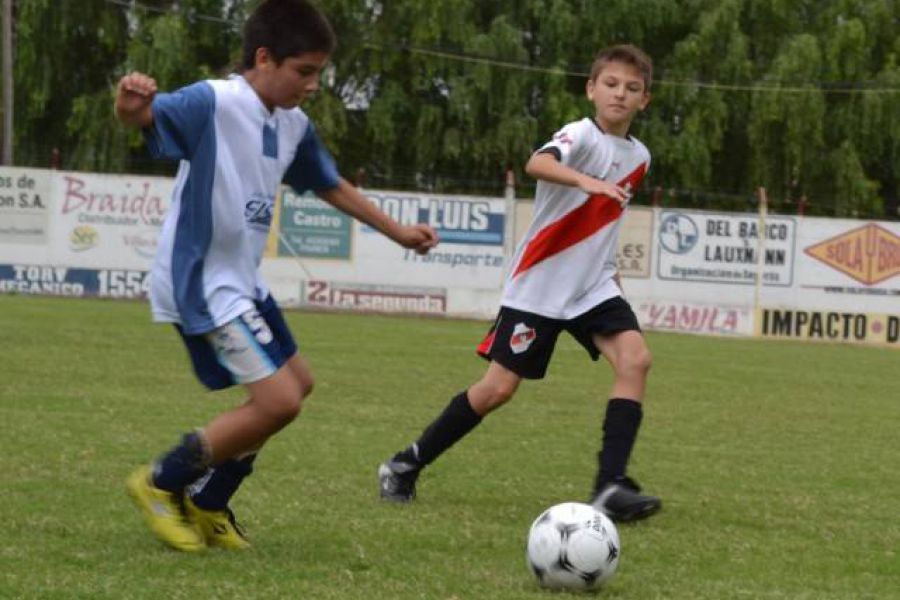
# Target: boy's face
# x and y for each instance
(618, 93)
(290, 83)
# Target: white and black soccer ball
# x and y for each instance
(573, 546)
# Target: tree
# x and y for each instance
(50, 76)
(70, 54)
(801, 96)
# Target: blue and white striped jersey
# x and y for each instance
(234, 154)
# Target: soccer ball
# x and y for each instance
(572, 546)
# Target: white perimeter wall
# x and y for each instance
(82, 234)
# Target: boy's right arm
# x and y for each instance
(545, 166)
(346, 198)
(134, 99)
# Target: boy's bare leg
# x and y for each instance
(229, 443)
(299, 366)
(214, 494)
(630, 359)
(494, 389)
(614, 493)
(208, 499)
(274, 402)
(397, 476)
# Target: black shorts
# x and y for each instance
(523, 342)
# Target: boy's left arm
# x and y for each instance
(348, 199)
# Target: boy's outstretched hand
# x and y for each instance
(134, 97)
(418, 237)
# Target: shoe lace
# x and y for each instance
(178, 500)
(233, 520)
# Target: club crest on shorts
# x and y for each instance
(521, 338)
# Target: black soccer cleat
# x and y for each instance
(621, 500)
(397, 481)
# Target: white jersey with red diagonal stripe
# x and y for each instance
(565, 264)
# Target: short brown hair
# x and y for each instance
(628, 54)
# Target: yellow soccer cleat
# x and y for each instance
(163, 513)
(219, 527)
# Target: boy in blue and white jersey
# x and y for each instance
(237, 140)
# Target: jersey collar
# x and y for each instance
(600, 127)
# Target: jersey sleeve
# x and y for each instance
(180, 119)
(647, 159)
(565, 143)
(313, 167)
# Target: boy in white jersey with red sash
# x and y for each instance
(237, 140)
(564, 278)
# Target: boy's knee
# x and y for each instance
(492, 394)
(307, 384)
(287, 409)
(284, 407)
(504, 390)
(640, 361)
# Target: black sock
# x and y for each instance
(183, 464)
(214, 490)
(620, 427)
(452, 425)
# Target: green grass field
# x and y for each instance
(776, 461)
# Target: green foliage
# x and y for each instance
(64, 51)
(798, 96)
(100, 145)
(71, 53)
(786, 130)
